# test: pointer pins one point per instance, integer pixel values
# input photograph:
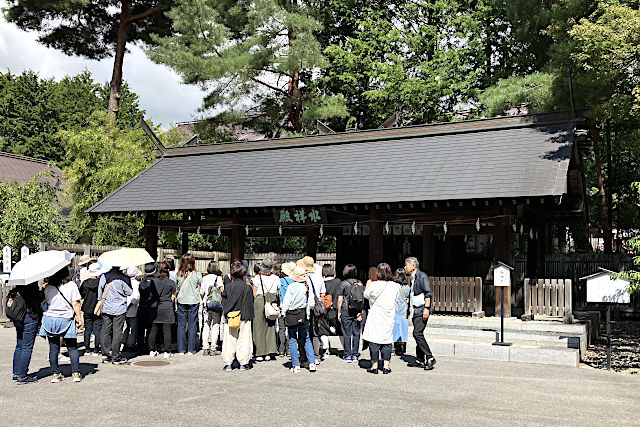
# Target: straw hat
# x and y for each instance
(85, 259)
(298, 274)
(307, 263)
(288, 267)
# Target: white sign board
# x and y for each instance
(602, 288)
(6, 259)
(501, 276)
(24, 252)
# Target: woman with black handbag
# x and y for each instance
(297, 305)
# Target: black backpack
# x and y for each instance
(16, 308)
(356, 297)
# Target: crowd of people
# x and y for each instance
(283, 309)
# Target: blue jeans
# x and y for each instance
(26, 331)
(300, 333)
(54, 349)
(187, 314)
(351, 332)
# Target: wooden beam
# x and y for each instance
(151, 234)
(502, 237)
(237, 238)
(427, 250)
(311, 245)
(375, 237)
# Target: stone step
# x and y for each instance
(516, 353)
(551, 340)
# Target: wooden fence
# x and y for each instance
(548, 297)
(457, 294)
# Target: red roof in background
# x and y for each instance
(21, 168)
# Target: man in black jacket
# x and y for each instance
(422, 307)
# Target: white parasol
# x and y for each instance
(38, 266)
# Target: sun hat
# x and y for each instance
(298, 274)
(307, 263)
(95, 269)
(266, 266)
(150, 268)
(132, 272)
(288, 267)
(85, 259)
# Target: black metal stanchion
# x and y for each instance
(501, 342)
(609, 336)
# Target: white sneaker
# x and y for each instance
(312, 367)
(189, 353)
(153, 353)
(259, 359)
(166, 355)
(295, 369)
(63, 359)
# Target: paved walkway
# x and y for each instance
(194, 390)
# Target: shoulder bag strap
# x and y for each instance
(312, 287)
(404, 297)
(262, 286)
(106, 291)
(64, 298)
(187, 277)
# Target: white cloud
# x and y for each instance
(161, 94)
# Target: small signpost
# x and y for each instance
(24, 252)
(502, 279)
(602, 288)
(6, 259)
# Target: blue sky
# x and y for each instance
(161, 94)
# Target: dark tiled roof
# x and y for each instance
(494, 158)
(15, 168)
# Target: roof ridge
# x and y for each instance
(26, 158)
(238, 147)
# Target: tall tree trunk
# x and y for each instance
(604, 214)
(116, 76)
(295, 107)
(609, 182)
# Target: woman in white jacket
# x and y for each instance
(382, 295)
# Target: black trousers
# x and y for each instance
(375, 349)
(423, 352)
(166, 332)
(92, 324)
(112, 328)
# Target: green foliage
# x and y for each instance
(632, 275)
(34, 110)
(257, 56)
(83, 27)
(29, 213)
(536, 92)
(102, 158)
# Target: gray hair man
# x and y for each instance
(422, 307)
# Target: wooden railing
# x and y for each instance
(457, 294)
(548, 298)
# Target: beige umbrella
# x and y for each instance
(125, 257)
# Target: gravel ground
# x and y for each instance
(625, 348)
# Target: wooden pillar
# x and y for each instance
(427, 250)
(541, 253)
(375, 237)
(237, 238)
(151, 234)
(311, 244)
(184, 247)
(341, 254)
(532, 258)
(503, 253)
